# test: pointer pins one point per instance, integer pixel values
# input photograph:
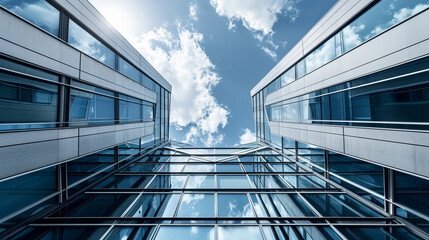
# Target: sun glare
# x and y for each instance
(118, 18)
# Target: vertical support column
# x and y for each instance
(64, 26)
(326, 157)
(389, 190)
(116, 157)
(61, 103)
(116, 108)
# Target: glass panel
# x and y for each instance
(22, 191)
(27, 101)
(233, 182)
(122, 181)
(129, 112)
(137, 233)
(200, 182)
(90, 109)
(196, 205)
(288, 77)
(339, 205)
(185, 233)
(155, 205)
(91, 205)
(38, 12)
(377, 233)
(148, 113)
(128, 70)
(287, 205)
(199, 168)
(321, 55)
(168, 182)
(88, 165)
(62, 233)
(412, 192)
(234, 205)
(300, 69)
(241, 232)
(378, 19)
(85, 42)
(228, 168)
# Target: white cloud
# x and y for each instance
(269, 52)
(247, 136)
(183, 62)
(404, 13)
(193, 11)
(255, 15)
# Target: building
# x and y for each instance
(85, 152)
(76, 99)
(350, 100)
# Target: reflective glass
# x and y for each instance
(155, 205)
(185, 233)
(22, 191)
(234, 205)
(90, 109)
(287, 205)
(196, 205)
(62, 233)
(23, 100)
(233, 182)
(321, 55)
(85, 42)
(38, 12)
(376, 233)
(240, 232)
(148, 113)
(129, 112)
(123, 181)
(168, 182)
(88, 165)
(131, 233)
(228, 168)
(287, 77)
(199, 168)
(339, 205)
(128, 70)
(195, 181)
(300, 69)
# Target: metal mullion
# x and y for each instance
(107, 232)
(155, 232)
(178, 205)
(251, 204)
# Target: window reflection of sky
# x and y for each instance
(200, 182)
(247, 232)
(196, 205)
(234, 205)
(185, 233)
(233, 182)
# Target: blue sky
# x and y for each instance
(213, 52)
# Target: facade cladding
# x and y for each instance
(77, 101)
(351, 99)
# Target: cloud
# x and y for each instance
(193, 11)
(247, 137)
(270, 52)
(255, 15)
(181, 59)
(404, 13)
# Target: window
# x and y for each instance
(288, 77)
(91, 108)
(23, 100)
(85, 42)
(38, 12)
(128, 70)
(130, 109)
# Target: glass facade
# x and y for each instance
(369, 24)
(175, 193)
(38, 12)
(388, 99)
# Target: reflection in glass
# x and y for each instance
(62, 233)
(168, 182)
(85, 42)
(123, 233)
(38, 12)
(234, 205)
(241, 232)
(90, 109)
(185, 233)
(233, 182)
(122, 181)
(196, 181)
(199, 168)
(321, 55)
(196, 205)
(228, 168)
(128, 70)
(377, 233)
(24, 100)
(155, 205)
